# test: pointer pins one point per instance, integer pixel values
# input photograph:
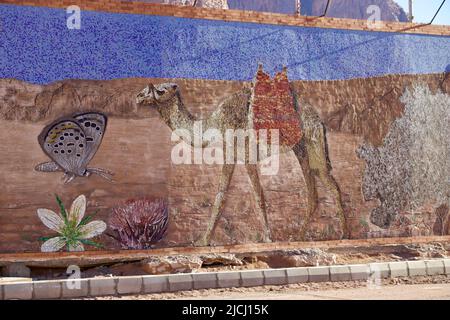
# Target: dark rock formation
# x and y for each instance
(355, 9)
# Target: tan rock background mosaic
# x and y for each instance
(137, 148)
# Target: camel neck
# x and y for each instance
(175, 114)
(177, 117)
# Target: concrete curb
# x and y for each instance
(417, 268)
(67, 289)
(398, 269)
(435, 267)
(359, 272)
(340, 273)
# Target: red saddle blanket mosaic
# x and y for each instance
(273, 107)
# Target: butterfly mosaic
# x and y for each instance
(71, 143)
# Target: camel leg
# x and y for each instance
(302, 157)
(329, 181)
(224, 183)
(252, 170)
(314, 147)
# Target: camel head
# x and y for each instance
(153, 95)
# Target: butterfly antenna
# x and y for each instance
(105, 174)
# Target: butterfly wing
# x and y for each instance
(64, 141)
(94, 125)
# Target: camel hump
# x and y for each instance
(273, 107)
(238, 100)
(234, 110)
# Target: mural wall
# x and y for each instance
(88, 116)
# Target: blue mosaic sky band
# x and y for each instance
(37, 46)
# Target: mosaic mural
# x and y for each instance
(202, 49)
(74, 228)
(71, 142)
(263, 106)
(360, 147)
(139, 224)
(412, 166)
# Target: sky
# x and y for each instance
(424, 10)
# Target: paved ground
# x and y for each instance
(428, 288)
(398, 292)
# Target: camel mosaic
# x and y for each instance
(307, 140)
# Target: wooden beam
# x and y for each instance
(95, 258)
